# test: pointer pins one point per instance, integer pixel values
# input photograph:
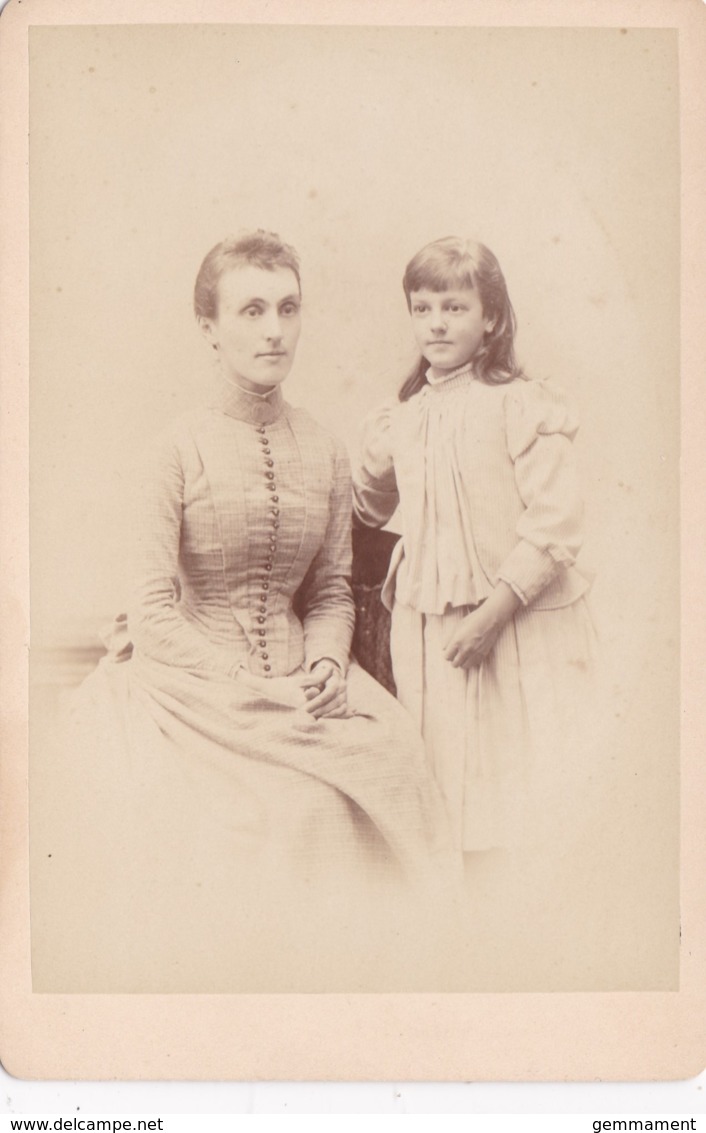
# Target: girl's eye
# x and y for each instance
(419, 308)
(290, 309)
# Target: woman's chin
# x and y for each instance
(261, 382)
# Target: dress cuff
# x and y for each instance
(373, 506)
(329, 655)
(527, 569)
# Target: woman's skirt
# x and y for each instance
(201, 833)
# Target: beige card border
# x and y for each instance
(560, 1037)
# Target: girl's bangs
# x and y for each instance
(444, 276)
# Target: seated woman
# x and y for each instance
(256, 810)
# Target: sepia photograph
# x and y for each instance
(354, 509)
(263, 319)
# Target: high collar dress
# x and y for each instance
(200, 782)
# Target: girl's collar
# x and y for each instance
(245, 405)
(442, 377)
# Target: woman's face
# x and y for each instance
(257, 326)
(449, 326)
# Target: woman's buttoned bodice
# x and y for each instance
(247, 505)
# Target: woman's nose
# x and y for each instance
(273, 327)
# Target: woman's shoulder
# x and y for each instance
(304, 422)
(310, 431)
(176, 437)
(183, 425)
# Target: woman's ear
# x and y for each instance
(207, 330)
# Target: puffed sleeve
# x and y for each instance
(375, 495)
(325, 597)
(540, 428)
(156, 625)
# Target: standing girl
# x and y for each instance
(491, 638)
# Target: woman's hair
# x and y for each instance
(259, 249)
(449, 263)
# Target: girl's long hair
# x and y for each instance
(449, 263)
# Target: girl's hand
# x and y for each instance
(479, 630)
(473, 640)
(325, 690)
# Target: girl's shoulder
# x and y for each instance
(540, 396)
(537, 407)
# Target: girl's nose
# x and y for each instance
(438, 322)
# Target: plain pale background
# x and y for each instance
(600, 347)
(558, 148)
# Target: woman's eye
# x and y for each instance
(290, 309)
(252, 312)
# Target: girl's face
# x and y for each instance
(448, 325)
(257, 326)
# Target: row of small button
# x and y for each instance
(261, 620)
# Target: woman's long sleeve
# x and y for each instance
(156, 625)
(325, 596)
(540, 431)
(375, 495)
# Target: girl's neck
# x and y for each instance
(437, 377)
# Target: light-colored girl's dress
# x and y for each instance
(485, 481)
(213, 831)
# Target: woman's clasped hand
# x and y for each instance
(325, 690)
